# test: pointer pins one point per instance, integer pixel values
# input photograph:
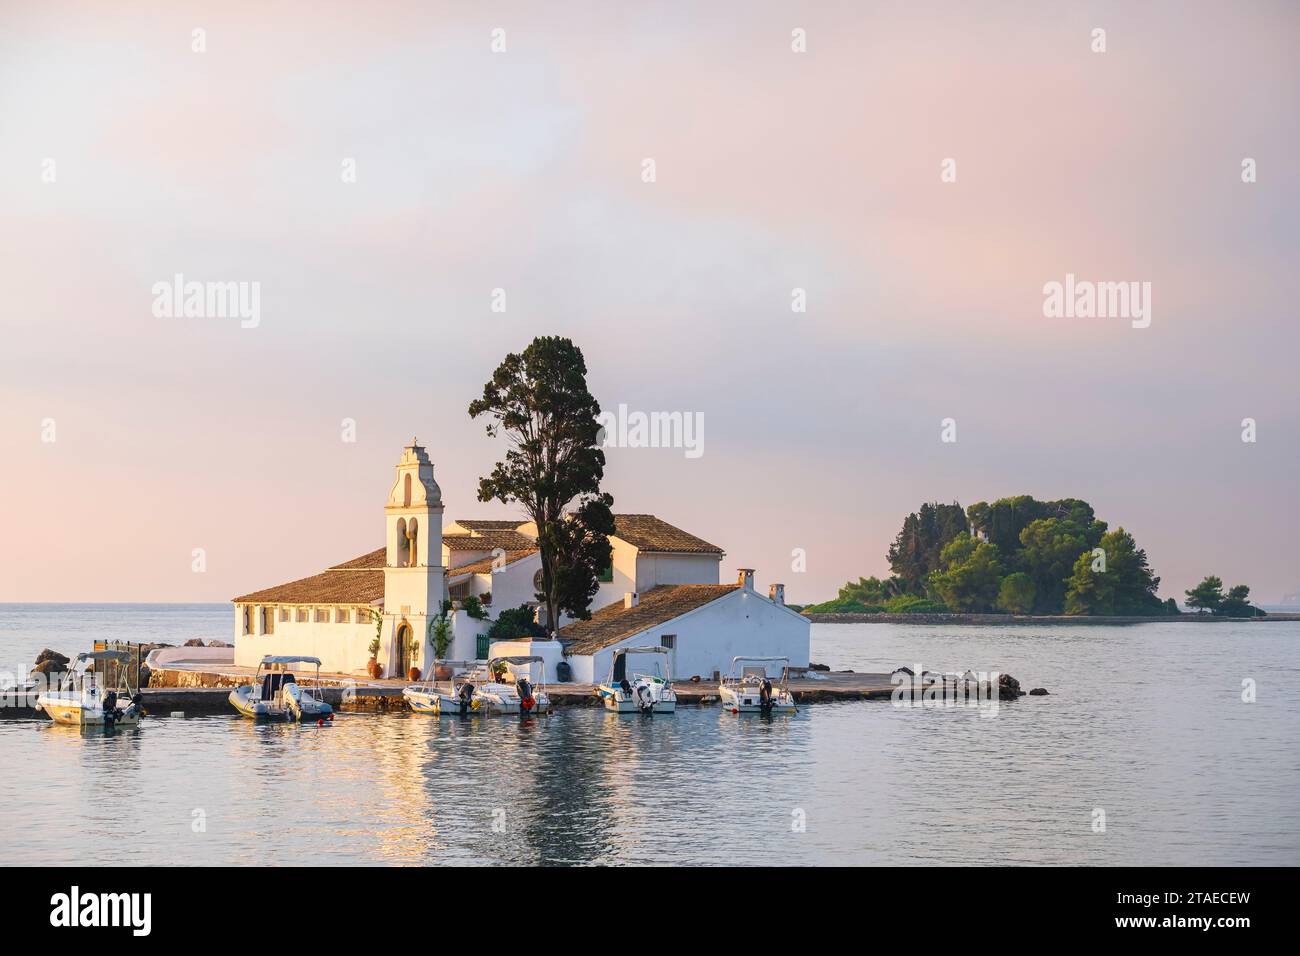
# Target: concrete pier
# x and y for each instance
(386, 695)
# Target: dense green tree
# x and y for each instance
(916, 550)
(1089, 590)
(1206, 596)
(1016, 594)
(1002, 522)
(582, 550)
(1134, 585)
(539, 400)
(969, 575)
(1049, 547)
(1237, 603)
(871, 590)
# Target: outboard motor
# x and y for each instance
(765, 697)
(465, 695)
(645, 702)
(110, 707)
(525, 690)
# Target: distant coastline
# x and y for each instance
(1019, 619)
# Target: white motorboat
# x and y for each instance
(639, 692)
(88, 697)
(748, 689)
(275, 693)
(514, 693)
(456, 697)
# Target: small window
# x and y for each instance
(322, 615)
(284, 614)
(607, 573)
(669, 641)
(301, 616)
(342, 616)
(247, 618)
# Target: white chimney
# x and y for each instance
(776, 593)
(745, 578)
(631, 599)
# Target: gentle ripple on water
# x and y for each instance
(1144, 722)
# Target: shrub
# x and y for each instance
(840, 606)
(514, 623)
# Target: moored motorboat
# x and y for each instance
(275, 693)
(748, 689)
(506, 693)
(456, 697)
(87, 697)
(637, 692)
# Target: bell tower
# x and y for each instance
(413, 572)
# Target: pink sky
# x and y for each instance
(522, 170)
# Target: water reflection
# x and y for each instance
(1165, 742)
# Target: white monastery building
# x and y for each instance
(662, 588)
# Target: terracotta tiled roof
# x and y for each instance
(648, 533)
(486, 540)
(328, 587)
(477, 525)
(659, 605)
(484, 565)
(370, 560)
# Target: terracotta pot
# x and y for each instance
(413, 674)
(372, 668)
(442, 672)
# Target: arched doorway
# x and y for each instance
(402, 658)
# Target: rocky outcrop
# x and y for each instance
(194, 642)
(219, 644)
(1008, 687)
(1038, 692)
(49, 662)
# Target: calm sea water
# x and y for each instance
(1145, 723)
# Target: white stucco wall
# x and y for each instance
(550, 651)
(637, 571)
(743, 622)
(465, 631)
(513, 584)
(655, 569)
(340, 647)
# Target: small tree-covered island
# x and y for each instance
(1022, 556)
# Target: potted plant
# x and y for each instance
(413, 673)
(440, 637)
(372, 666)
